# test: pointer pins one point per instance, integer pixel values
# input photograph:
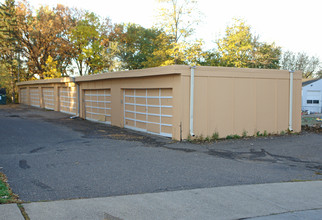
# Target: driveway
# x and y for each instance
(48, 156)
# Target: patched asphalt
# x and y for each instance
(48, 156)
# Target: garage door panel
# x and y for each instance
(101, 99)
(34, 97)
(130, 123)
(128, 92)
(147, 110)
(166, 120)
(23, 96)
(152, 118)
(140, 92)
(67, 100)
(141, 101)
(153, 92)
(166, 92)
(102, 105)
(48, 98)
(166, 111)
(166, 129)
(154, 110)
(141, 109)
(166, 101)
(154, 128)
(129, 99)
(141, 125)
(98, 105)
(153, 101)
(100, 92)
(129, 107)
(129, 114)
(141, 117)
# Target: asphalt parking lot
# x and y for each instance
(48, 156)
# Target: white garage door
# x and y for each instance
(34, 97)
(23, 96)
(148, 110)
(98, 105)
(313, 101)
(67, 100)
(48, 97)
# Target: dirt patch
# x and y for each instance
(312, 123)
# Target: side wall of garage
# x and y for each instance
(230, 101)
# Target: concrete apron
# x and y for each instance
(231, 202)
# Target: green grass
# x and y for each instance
(215, 136)
(235, 136)
(309, 121)
(6, 195)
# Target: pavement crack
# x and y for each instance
(41, 185)
(36, 150)
(265, 156)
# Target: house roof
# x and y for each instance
(307, 82)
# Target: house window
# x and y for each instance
(312, 101)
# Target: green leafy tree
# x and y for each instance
(9, 47)
(236, 47)
(178, 19)
(136, 45)
(239, 48)
(89, 41)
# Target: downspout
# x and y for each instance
(78, 98)
(192, 86)
(290, 125)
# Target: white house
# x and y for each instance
(312, 96)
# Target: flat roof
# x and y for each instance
(155, 71)
(184, 70)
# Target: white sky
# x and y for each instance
(294, 25)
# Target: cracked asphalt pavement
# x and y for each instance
(48, 156)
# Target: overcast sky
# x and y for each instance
(292, 24)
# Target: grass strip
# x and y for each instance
(6, 194)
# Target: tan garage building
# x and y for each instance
(178, 101)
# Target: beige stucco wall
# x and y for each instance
(230, 101)
(227, 100)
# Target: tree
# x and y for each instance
(235, 48)
(178, 18)
(44, 33)
(319, 73)
(136, 45)
(89, 39)
(9, 47)
(51, 69)
(300, 61)
(239, 48)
